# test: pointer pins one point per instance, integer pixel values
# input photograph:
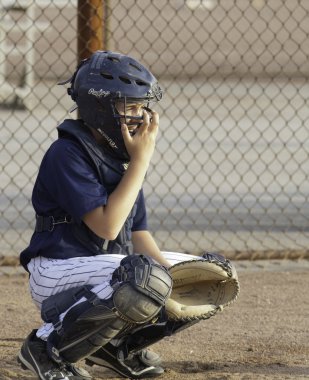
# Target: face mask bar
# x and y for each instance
(131, 120)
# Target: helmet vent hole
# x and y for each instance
(125, 80)
(106, 75)
(140, 83)
(113, 59)
(135, 66)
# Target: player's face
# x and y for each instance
(132, 114)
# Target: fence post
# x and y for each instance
(90, 27)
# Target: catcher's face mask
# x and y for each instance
(131, 113)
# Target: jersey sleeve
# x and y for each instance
(67, 178)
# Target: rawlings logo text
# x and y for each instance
(98, 94)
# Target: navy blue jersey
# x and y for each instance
(68, 184)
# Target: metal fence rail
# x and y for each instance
(230, 172)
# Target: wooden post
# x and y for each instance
(90, 25)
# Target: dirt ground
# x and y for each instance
(263, 335)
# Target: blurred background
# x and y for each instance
(230, 172)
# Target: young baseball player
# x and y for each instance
(96, 274)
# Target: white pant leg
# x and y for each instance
(50, 276)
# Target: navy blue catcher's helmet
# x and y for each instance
(101, 80)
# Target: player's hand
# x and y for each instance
(140, 146)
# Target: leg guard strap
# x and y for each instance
(57, 304)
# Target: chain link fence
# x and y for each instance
(231, 168)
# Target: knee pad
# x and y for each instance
(141, 289)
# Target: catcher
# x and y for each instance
(105, 290)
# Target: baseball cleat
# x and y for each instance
(33, 356)
(143, 364)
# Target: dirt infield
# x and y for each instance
(264, 335)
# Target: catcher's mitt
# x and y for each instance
(201, 288)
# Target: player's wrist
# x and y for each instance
(140, 162)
